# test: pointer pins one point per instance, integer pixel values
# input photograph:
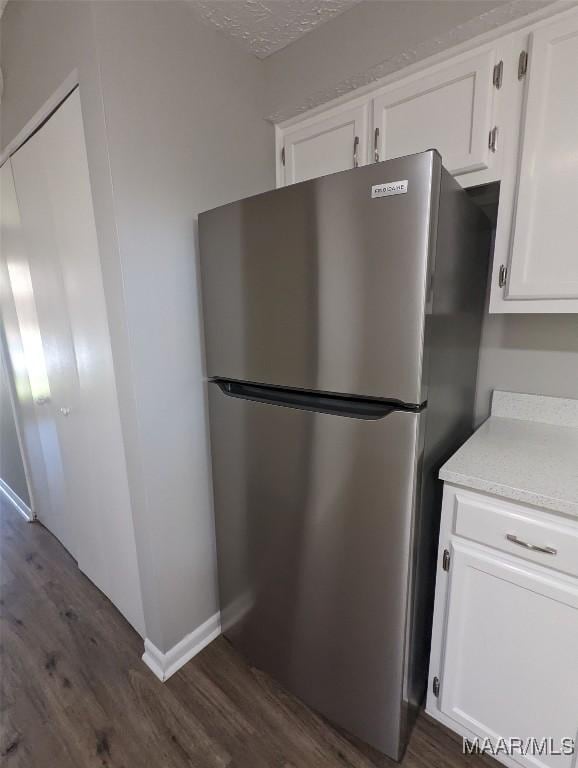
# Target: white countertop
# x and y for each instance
(526, 451)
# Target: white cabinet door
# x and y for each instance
(544, 257)
(333, 143)
(510, 663)
(449, 110)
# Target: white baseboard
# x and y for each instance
(16, 501)
(166, 664)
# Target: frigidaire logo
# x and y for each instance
(389, 188)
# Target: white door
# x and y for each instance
(333, 143)
(32, 378)
(54, 196)
(544, 257)
(449, 110)
(526, 687)
(41, 246)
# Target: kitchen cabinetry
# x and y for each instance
(336, 142)
(449, 110)
(504, 661)
(504, 111)
(449, 107)
(544, 258)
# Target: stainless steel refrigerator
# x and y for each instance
(342, 319)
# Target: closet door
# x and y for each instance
(60, 405)
(53, 189)
(47, 344)
(28, 366)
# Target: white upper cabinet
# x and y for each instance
(544, 255)
(334, 142)
(492, 119)
(449, 109)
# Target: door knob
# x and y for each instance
(65, 411)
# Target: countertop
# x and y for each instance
(526, 451)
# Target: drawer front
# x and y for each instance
(535, 537)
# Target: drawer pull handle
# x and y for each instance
(532, 547)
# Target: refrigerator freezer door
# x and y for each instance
(321, 285)
(314, 517)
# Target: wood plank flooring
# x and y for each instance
(75, 694)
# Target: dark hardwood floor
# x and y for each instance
(75, 694)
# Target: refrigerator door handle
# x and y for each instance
(337, 405)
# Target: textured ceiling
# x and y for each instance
(266, 26)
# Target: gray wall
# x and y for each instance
(535, 354)
(11, 465)
(173, 121)
(183, 109)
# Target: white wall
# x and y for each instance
(172, 115)
(11, 464)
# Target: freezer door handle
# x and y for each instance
(337, 405)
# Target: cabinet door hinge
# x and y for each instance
(498, 74)
(446, 560)
(522, 64)
(502, 275)
(283, 156)
(436, 686)
(493, 139)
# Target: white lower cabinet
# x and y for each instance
(504, 662)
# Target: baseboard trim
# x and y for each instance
(166, 664)
(16, 501)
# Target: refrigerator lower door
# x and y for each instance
(314, 517)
